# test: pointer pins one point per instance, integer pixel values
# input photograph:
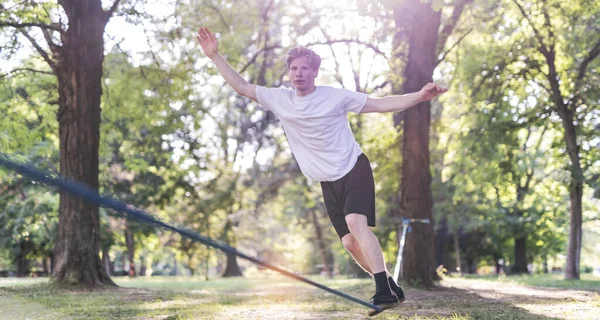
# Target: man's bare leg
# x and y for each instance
(370, 248)
(353, 247)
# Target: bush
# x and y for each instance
(587, 269)
(157, 273)
(120, 273)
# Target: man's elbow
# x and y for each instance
(247, 91)
(373, 106)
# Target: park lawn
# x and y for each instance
(588, 281)
(277, 297)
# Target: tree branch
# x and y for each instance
(113, 8)
(53, 46)
(328, 42)
(457, 11)
(31, 24)
(591, 56)
(538, 35)
(24, 69)
(39, 49)
(454, 45)
(366, 44)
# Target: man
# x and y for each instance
(316, 124)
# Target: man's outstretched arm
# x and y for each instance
(402, 102)
(209, 45)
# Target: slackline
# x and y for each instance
(88, 194)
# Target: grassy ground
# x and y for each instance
(276, 297)
(587, 282)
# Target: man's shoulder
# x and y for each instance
(277, 92)
(280, 89)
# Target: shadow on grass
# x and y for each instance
(466, 304)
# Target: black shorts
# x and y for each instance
(353, 193)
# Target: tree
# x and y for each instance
(74, 52)
(565, 79)
(419, 40)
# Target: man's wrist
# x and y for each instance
(420, 96)
(214, 55)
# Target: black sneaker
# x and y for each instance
(385, 300)
(400, 294)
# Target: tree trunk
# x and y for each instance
(323, 249)
(575, 191)
(22, 263)
(175, 266)
(566, 114)
(79, 73)
(232, 269)
(441, 244)
(457, 250)
(520, 265)
(143, 267)
(45, 266)
(106, 261)
(206, 264)
(498, 266)
(421, 24)
(129, 242)
(575, 234)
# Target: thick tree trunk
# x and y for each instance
(323, 248)
(520, 265)
(419, 23)
(232, 269)
(79, 72)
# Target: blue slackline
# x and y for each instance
(88, 194)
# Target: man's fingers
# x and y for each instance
(203, 32)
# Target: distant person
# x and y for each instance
(316, 124)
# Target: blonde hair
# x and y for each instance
(297, 52)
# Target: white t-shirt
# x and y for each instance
(317, 127)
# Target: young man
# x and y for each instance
(316, 124)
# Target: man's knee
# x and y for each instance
(356, 223)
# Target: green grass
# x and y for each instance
(267, 297)
(587, 282)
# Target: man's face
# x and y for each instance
(302, 74)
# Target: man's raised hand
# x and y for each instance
(430, 91)
(208, 42)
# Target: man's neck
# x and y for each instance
(302, 93)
